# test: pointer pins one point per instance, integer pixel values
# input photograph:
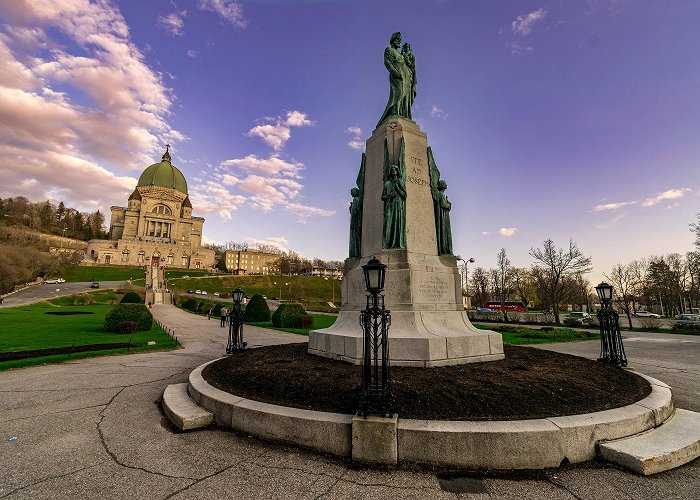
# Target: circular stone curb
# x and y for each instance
(505, 444)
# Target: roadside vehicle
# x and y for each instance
(60, 280)
(687, 321)
(508, 306)
(198, 292)
(578, 318)
(95, 284)
(204, 292)
(190, 291)
(217, 294)
(52, 281)
(486, 310)
(646, 314)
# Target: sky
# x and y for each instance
(553, 119)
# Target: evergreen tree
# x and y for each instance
(3, 210)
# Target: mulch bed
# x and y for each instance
(529, 383)
(37, 353)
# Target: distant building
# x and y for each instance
(250, 262)
(156, 226)
(326, 272)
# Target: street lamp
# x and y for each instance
(235, 327)
(377, 398)
(465, 276)
(611, 348)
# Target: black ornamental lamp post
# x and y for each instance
(377, 398)
(235, 325)
(611, 348)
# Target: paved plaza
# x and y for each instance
(94, 428)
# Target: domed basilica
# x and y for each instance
(156, 226)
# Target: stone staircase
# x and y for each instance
(184, 413)
(672, 444)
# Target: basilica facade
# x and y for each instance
(156, 227)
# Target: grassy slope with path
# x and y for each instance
(28, 328)
(117, 273)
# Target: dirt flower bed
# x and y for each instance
(529, 383)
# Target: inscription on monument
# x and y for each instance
(432, 288)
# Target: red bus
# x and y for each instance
(508, 306)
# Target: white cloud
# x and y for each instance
(671, 194)
(524, 24)
(517, 49)
(192, 53)
(437, 112)
(271, 166)
(229, 10)
(507, 231)
(51, 144)
(212, 197)
(613, 206)
(485, 233)
(304, 212)
(356, 141)
(275, 241)
(173, 23)
(279, 132)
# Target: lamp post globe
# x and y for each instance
(604, 291)
(375, 273)
(237, 295)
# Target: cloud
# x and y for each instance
(277, 133)
(212, 197)
(671, 194)
(613, 206)
(279, 242)
(507, 231)
(271, 166)
(524, 24)
(485, 233)
(517, 49)
(173, 23)
(229, 10)
(356, 141)
(437, 112)
(192, 53)
(303, 212)
(51, 51)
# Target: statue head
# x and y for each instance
(395, 39)
(394, 171)
(442, 185)
(355, 192)
(406, 48)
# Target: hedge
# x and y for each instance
(131, 297)
(137, 313)
(190, 305)
(288, 316)
(256, 310)
(217, 310)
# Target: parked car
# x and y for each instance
(646, 314)
(198, 292)
(185, 277)
(687, 321)
(204, 292)
(486, 310)
(60, 280)
(217, 294)
(52, 281)
(95, 284)
(578, 318)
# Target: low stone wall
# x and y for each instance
(512, 444)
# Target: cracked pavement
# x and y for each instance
(94, 428)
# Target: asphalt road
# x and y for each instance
(93, 428)
(42, 292)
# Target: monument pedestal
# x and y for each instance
(429, 326)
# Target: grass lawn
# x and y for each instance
(97, 273)
(520, 335)
(28, 328)
(320, 321)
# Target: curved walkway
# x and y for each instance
(94, 429)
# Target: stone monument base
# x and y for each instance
(417, 338)
(429, 326)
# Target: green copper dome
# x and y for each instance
(164, 174)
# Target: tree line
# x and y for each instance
(49, 218)
(666, 284)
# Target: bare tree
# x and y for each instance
(554, 266)
(624, 281)
(479, 285)
(522, 283)
(503, 277)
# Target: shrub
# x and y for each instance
(650, 323)
(256, 310)
(131, 297)
(127, 327)
(138, 313)
(217, 310)
(190, 305)
(306, 321)
(290, 317)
